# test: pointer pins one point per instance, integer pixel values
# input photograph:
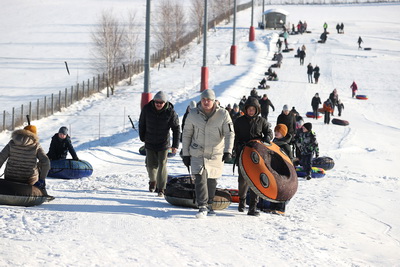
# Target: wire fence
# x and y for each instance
(48, 105)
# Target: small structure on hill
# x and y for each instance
(274, 18)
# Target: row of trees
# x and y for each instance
(116, 41)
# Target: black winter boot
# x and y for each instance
(242, 205)
(253, 210)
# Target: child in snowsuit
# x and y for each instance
(340, 107)
(328, 111)
(316, 74)
(307, 144)
(354, 89)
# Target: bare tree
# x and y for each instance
(131, 38)
(179, 26)
(108, 41)
(164, 28)
(197, 13)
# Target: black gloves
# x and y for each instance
(186, 160)
(227, 157)
(41, 184)
(316, 154)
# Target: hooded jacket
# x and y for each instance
(251, 127)
(206, 138)
(59, 148)
(22, 153)
(154, 127)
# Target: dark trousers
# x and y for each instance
(243, 188)
(315, 111)
(205, 189)
(306, 163)
(327, 117)
(264, 115)
(156, 164)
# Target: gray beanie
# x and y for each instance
(285, 107)
(192, 104)
(208, 93)
(161, 96)
(63, 130)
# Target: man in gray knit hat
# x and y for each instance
(207, 141)
(156, 120)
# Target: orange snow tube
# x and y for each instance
(269, 172)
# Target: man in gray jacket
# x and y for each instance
(207, 141)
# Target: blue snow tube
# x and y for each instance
(70, 169)
(19, 194)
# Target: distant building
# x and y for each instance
(275, 18)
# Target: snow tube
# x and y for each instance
(268, 171)
(285, 50)
(310, 114)
(367, 48)
(325, 163)
(234, 195)
(142, 151)
(19, 194)
(362, 97)
(315, 172)
(180, 192)
(69, 169)
(340, 122)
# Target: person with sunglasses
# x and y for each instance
(156, 120)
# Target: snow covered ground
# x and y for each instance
(348, 218)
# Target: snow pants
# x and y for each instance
(205, 189)
(156, 164)
(306, 163)
(327, 117)
(243, 188)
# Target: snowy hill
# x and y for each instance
(347, 218)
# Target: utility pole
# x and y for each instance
(204, 69)
(146, 95)
(234, 47)
(252, 30)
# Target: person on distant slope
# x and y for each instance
(334, 97)
(207, 142)
(22, 154)
(342, 28)
(354, 89)
(315, 102)
(310, 70)
(338, 28)
(340, 107)
(307, 144)
(249, 127)
(265, 103)
(328, 111)
(302, 55)
(60, 145)
(156, 120)
(325, 27)
(359, 41)
(316, 74)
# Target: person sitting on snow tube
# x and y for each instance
(22, 153)
(60, 145)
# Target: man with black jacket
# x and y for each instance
(157, 118)
(248, 127)
(265, 103)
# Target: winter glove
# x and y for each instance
(186, 160)
(316, 154)
(41, 184)
(227, 157)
